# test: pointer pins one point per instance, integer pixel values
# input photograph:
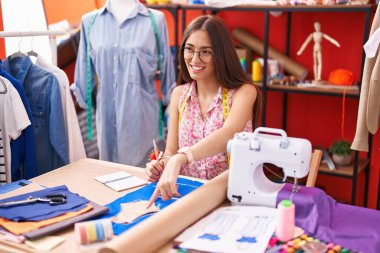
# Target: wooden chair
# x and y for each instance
(314, 166)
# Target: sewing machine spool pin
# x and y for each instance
(295, 186)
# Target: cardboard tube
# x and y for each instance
(162, 227)
(257, 45)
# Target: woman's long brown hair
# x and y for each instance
(229, 71)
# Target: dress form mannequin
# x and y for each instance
(317, 36)
(121, 9)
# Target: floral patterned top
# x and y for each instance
(193, 128)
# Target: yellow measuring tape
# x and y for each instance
(226, 110)
(225, 105)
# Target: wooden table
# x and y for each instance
(79, 178)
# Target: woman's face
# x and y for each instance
(198, 55)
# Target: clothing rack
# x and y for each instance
(52, 36)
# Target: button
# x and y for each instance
(114, 71)
(242, 136)
(115, 57)
(115, 45)
(114, 85)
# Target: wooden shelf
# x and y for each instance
(344, 171)
(292, 8)
(310, 90)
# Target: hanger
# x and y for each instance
(31, 52)
(4, 86)
(18, 53)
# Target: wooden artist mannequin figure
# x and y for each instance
(121, 9)
(317, 36)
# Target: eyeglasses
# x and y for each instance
(204, 55)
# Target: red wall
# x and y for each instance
(317, 118)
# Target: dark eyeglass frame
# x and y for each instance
(199, 55)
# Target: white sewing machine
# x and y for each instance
(247, 183)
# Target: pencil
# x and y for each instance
(155, 148)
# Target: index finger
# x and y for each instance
(154, 196)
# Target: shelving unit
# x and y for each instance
(360, 164)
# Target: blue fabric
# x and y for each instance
(40, 211)
(185, 186)
(125, 63)
(42, 90)
(13, 186)
(23, 149)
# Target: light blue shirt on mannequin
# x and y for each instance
(124, 58)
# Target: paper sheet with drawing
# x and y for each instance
(240, 229)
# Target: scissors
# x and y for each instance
(51, 199)
(156, 153)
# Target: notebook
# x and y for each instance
(120, 181)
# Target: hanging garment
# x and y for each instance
(74, 136)
(13, 120)
(23, 149)
(3, 171)
(91, 146)
(42, 91)
(369, 103)
(124, 60)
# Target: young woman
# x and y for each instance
(215, 102)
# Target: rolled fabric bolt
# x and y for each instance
(257, 45)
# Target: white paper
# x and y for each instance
(127, 183)
(113, 177)
(45, 243)
(239, 229)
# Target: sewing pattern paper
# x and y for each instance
(131, 211)
(235, 229)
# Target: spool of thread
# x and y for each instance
(256, 71)
(93, 231)
(243, 63)
(286, 220)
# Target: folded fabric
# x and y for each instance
(53, 228)
(185, 186)
(41, 211)
(22, 227)
(322, 217)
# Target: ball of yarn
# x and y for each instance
(342, 77)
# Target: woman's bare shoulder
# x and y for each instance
(177, 91)
(246, 89)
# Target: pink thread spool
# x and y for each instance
(286, 220)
